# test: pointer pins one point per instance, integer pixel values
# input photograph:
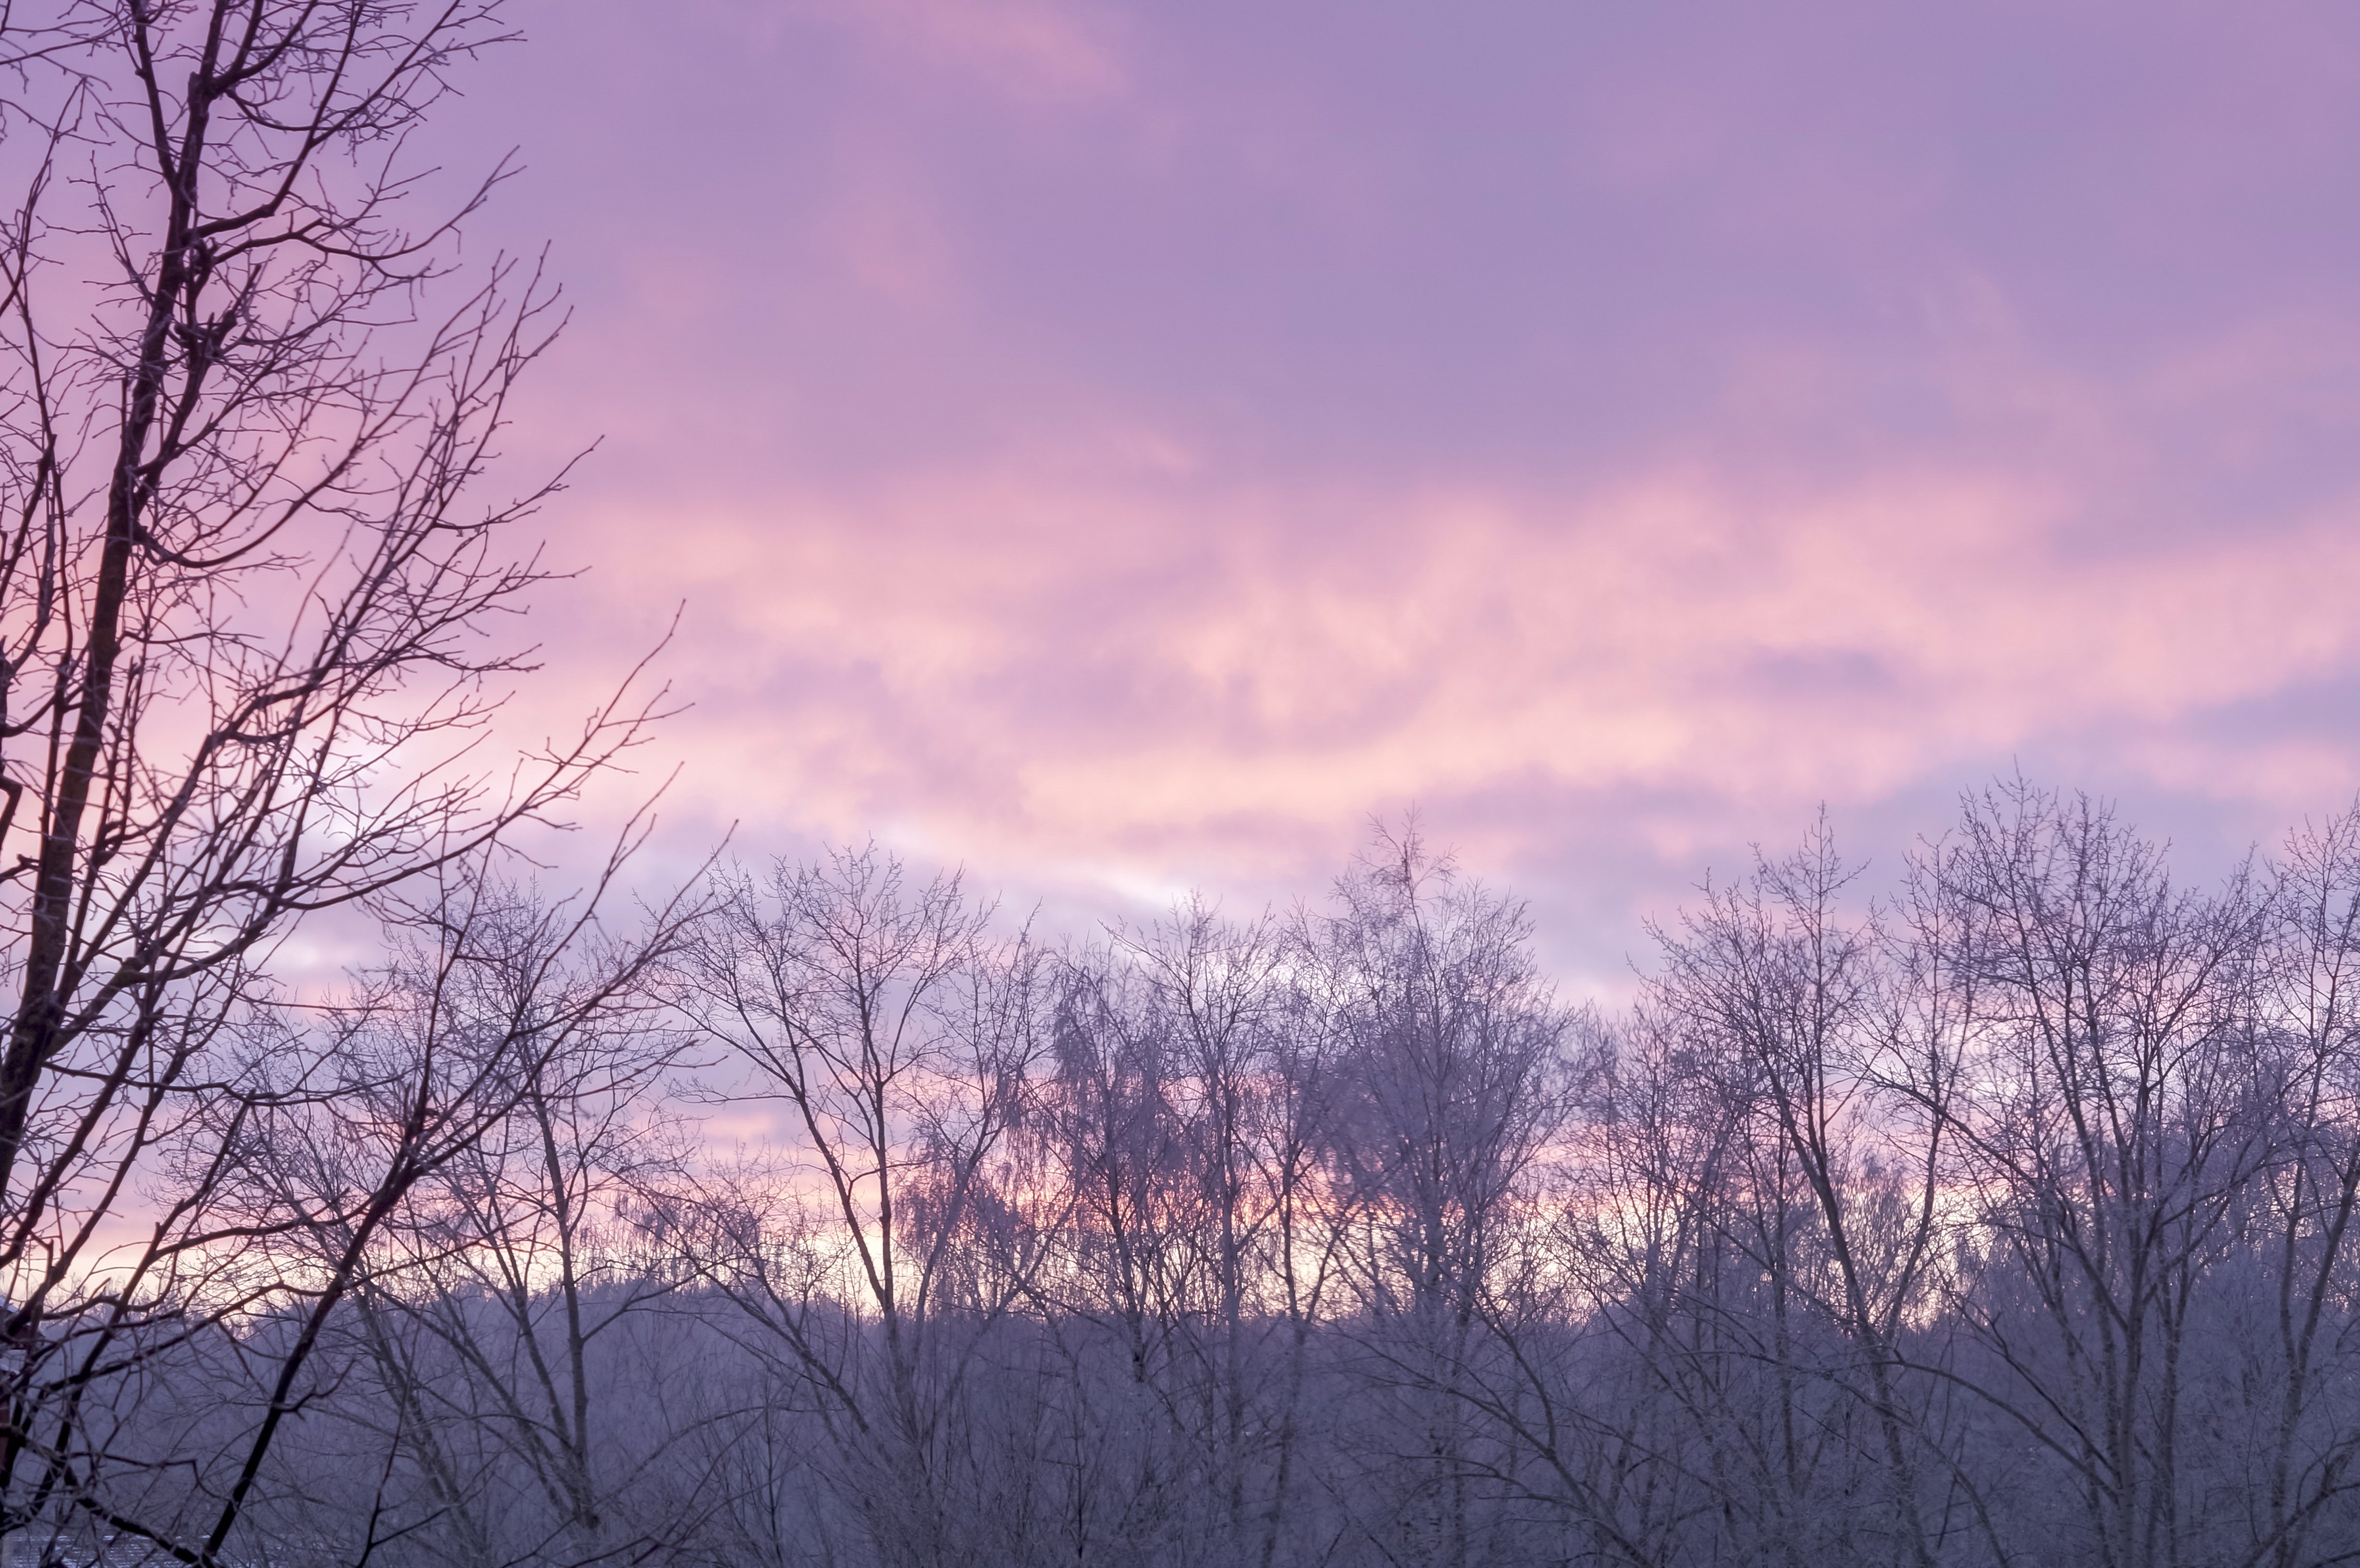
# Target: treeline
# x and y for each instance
(831, 1220)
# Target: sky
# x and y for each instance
(1123, 447)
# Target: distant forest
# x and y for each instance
(821, 1213)
(2004, 1220)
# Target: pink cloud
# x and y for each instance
(1036, 671)
(1136, 441)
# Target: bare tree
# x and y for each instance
(166, 1418)
(900, 1041)
(517, 1262)
(1786, 1007)
(1188, 1107)
(1131, 1286)
(2115, 1106)
(2299, 1221)
(1455, 1088)
(1214, 982)
(245, 595)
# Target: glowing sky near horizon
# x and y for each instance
(1123, 445)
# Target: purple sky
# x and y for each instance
(1121, 446)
